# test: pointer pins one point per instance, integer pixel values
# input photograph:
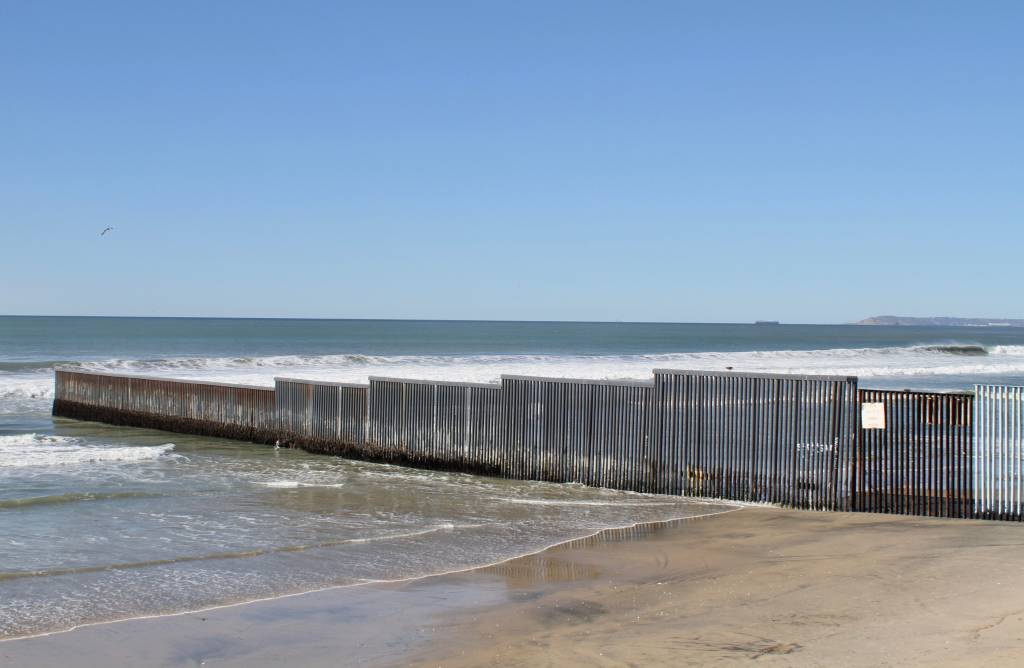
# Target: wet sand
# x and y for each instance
(759, 585)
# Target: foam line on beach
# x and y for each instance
(731, 507)
(240, 554)
(581, 502)
(295, 484)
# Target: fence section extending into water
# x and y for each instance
(755, 437)
(191, 407)
(802, 441)
(916, 455)
(435, 423)
(321, 416)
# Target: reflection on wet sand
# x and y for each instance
(558, 565)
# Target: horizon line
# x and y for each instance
(399, 319)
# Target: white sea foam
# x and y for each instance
(1007, 350)
(31, 450)
(293, 484)
(906, 362)
(619, 503)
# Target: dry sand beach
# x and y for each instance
(758, 585)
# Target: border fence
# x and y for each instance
(435, 423)
(919, 458)
(755, 437)
(569, 430)
(320, 416)
(191, 407)
(812, 442)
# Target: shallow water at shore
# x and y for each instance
(772, 586)
(105, 523)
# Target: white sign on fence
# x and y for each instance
(872, 415)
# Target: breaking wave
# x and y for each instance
(33, 382)
(955, 349)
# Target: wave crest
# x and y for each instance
(953, 358)
(968, 349)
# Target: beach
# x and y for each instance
(764, 585)
(104, 522)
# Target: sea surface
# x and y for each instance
(100, 523)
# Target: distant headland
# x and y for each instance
(940, 322)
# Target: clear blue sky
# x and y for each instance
(679, 161)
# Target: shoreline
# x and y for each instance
(785, 587)
(733, 507)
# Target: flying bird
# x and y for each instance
(109, 229)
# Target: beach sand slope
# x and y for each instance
(757, 586)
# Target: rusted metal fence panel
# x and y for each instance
(999, 452)
(215, 409)
(916, 455)
(436, 423)
(91, 389)
(754, 437)
(322, 416)
(567, 430)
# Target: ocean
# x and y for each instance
(99, 523)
